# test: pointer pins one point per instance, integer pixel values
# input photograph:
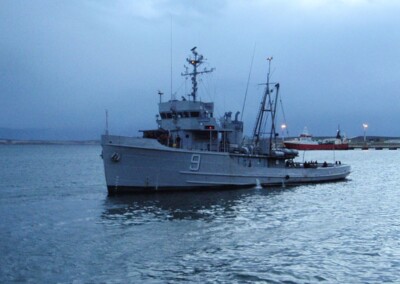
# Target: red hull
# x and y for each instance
(299, 146)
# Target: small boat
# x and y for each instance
(307, 142)
(191, 149)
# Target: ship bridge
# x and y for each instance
(187, 115)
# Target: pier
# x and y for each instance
(373, 146)
(374, 143)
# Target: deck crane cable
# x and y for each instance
(209, 93)
(248, 82)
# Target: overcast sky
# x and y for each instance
(62, 63)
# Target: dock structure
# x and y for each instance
(373, 145)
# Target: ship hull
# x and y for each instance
(144, 165)
(304, 146)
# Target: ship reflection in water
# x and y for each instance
(141, 208)
(196, 205)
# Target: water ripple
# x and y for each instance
(59, 226)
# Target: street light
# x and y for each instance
(365, 126)
(283, 127)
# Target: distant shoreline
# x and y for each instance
(5, 141)
(48, 142)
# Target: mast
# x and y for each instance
(170, 55)
(268, 105)
(196, 61)
(273, 115)
(106, 132)
(262, 110)
(160, 94)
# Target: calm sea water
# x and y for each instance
(57, 225)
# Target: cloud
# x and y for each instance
(63, 63)
(151, 10)
(343, 3)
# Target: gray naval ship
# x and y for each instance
(192, 149)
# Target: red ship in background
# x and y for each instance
(307, 142)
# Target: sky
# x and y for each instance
(63, 63)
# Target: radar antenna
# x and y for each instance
(195, 61)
